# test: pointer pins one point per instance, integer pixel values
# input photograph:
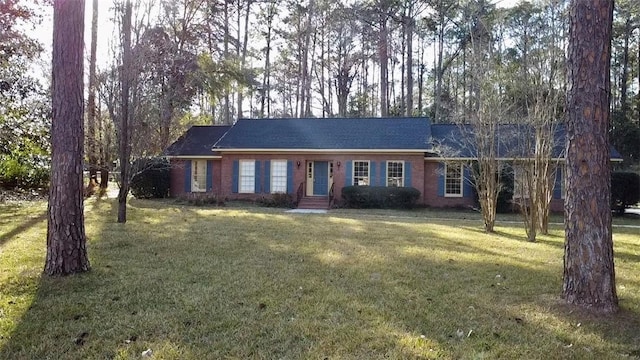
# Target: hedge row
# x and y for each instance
(380, 197)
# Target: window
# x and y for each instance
(360, 173)
(198, 175)
(247, 183)
(395, 173)
(453, 180)
(278, 176)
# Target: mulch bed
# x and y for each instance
(18, 195)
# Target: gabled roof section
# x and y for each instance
(197, 141)
(512, 141)
(328, 134)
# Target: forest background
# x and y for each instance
(211, 62)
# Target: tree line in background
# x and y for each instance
(212, 61)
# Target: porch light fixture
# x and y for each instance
(298, 163)
(339, 164)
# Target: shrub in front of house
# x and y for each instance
(277, 200)
(380, 197)
(151, 178)
(625, 190)
(202, 199)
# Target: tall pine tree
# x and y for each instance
(589, 276)
(66, 240)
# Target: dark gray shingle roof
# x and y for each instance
(513, 141)
(197, 141)
(333, 133)
(447, 140)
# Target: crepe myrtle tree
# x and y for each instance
(484, 171)
(534, 176)
(534, 166)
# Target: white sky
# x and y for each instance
(44, 33)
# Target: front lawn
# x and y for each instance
(211, 283)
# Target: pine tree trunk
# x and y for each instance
(625, 69)
(243, 57)
(410, 67)
(92, 142)
(66, 240)
(104, 178)
(105, 145)
(227, 34)
(266, 77)
(439, 72)
(589, 275)
(124, 127)
(383, 57)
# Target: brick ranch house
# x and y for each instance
(313, 159)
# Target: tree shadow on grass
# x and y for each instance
(626, 251)
(253, 285)
(497, 233)
(24, 226)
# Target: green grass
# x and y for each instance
(457, 214)
(212, 283)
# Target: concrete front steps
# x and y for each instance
(314, 202)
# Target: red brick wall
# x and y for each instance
(424, 176)
(557, 205)
(177, 177)
(431, 197)
(217, 177)
(417, 169)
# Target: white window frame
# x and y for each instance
(199, 175)
(366, 180)
(278, 181)
(446, 178)
(389, 179)
(247, 177)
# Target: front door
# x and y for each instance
(320, 178)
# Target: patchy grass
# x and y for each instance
(206, 283)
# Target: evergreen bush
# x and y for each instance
(151, 178)
(26, 172)
(625, 190)
(278, 200)
(380, 197)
